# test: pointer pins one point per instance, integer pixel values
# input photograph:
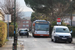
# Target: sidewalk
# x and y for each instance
(8, 46)
(73, 41)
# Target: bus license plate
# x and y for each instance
(64, 38)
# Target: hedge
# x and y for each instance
(11, 30)
(3, 32)
(73, 30)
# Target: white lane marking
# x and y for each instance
(24, 49)
(68, 47)
(57, 47)
(63, 47)
(35, 40)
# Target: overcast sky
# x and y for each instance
(23, 5)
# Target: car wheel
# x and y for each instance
(20, 34)
(54, 40)
(51, 39)
(69, 41)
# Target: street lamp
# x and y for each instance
(15, 35)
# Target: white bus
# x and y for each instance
(40, 28)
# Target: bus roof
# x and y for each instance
(40, 20)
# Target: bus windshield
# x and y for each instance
(42, 27)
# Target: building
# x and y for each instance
(24, 23)
(67, 19)
(2, 14)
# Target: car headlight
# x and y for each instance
(57, 35)
(70, 36)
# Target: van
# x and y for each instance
(61, 33)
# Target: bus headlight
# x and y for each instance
(47, 32)
(35, 32)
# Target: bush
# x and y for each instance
(3, 32)
(73, 30)
(64, 24)
(15, 24)
(11, 30)
(54, 23)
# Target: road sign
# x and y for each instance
(7, 18)
(58, 20)
(59, 23)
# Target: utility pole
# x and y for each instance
(71, 14)
(15, 35)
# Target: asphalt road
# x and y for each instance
(41, 43)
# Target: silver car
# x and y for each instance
(23, 32)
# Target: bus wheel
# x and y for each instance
(33, 36)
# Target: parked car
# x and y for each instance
(23, 32)
(61, 33)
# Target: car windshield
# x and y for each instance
(41, 27)
(62, 30)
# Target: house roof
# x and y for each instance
(1, 11)
(70, 14)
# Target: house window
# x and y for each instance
(27, 25)
(23, 25)
(24, 22)
(27, 21)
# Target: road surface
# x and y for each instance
(41, 43)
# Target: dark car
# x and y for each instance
(23, 32)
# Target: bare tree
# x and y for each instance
(8, 7)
